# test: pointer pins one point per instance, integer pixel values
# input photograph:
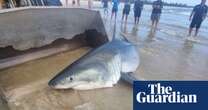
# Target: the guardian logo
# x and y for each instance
(162, 94)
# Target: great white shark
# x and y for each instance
(101, 67)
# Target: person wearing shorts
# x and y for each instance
(197, 16)
(114, 8)
(138, 6)
(126, 10)
(156, 12)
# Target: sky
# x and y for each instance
(188, 2)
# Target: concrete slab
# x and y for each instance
(31, 27)
(26, 28)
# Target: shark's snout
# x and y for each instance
(52, 84)
(61, 82)
(56, 85)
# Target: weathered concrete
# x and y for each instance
(25, 28)
(58, 46)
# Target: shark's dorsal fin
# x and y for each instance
(118, 37)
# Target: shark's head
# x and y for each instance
(71, 78)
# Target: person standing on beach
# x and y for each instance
(156, 12)
(105, 6)
(138, 6)
(126, 10)
(197, 16)
(114, 8)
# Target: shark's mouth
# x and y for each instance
(70, 85)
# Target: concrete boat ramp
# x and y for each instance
(55, 37)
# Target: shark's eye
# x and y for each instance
(71, 78)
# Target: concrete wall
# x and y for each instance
(26, 28)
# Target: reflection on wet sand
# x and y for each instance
(124, 27)
(152, 32)
(151, 35)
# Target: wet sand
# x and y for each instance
(165, 55)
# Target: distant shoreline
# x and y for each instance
(172, 4)
(164, 4)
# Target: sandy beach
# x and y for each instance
(165, 54)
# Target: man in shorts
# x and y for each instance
(156, 12)
(197, 16)
(126, 10)
(114, 8)
(138, 6)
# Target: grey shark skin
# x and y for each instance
(99, 68)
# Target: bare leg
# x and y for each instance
(105, 11)
(112, 15)
(137, 20)
(153, 23)
(196, 32)
(122, 17)
(126, 18)
(156, 23)
(190, 31)
(115, 15)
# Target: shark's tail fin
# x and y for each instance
(128, 78)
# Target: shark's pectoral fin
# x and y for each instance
(128, 77)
